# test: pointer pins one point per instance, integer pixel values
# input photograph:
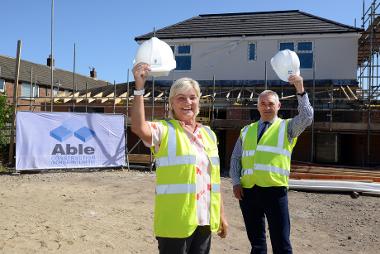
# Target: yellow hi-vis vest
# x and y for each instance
(266, 163)
(175, 213)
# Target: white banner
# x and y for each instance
(69, 140)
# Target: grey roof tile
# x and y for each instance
(250, 24)
(41, 74)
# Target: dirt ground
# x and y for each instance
(112, 211)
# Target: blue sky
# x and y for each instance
(104, 30)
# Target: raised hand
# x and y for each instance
(297, 81)
(140, 73)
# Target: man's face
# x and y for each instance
(268, 107)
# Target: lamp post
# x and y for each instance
(52, 56)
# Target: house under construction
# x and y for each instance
(229, 55)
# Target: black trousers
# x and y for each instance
(198, 243)
(272, 203)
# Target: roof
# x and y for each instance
(290, 22)
(41, 74)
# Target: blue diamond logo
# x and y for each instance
(61, 133)
(84, 134)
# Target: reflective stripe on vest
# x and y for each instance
(244, 133)
(175, 160)
(175, 188)
(215, 187)
(213, 160)
(181, 188)
(210, 133)
(268, 168)
(273, 149)
(248, 153)
(172, 159)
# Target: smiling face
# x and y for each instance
(185, 105)
(184, 100)
(268, 106)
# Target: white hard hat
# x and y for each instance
(285, 63)
(158, 55)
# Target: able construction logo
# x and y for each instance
(66, 153)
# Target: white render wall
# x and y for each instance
(227, 58)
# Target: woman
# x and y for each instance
(188, 205)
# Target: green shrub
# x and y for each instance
(5, 120)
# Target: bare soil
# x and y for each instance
(112, 212)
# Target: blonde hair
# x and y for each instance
(268, 93)
(179, 86)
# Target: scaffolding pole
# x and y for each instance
(15, 92)
(368, 62)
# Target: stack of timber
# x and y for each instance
(313, 177)
(318, 172)
(140, 158)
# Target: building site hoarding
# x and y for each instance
(55, 140)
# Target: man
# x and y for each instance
(260, 167)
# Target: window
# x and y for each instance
(25, 90)
(29, 91)
(55, 91)
(287, 45)
(183, 49)
(305, 46)
(304, 51)
(182, 55)
(2, 85)
(251, 51)
(36, 91)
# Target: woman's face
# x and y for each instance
(185, 105)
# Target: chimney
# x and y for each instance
(93, 73)
(49, 61)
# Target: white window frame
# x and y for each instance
(35, 93)
(2, 85)
(248, 51)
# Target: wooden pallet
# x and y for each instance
(140, 158)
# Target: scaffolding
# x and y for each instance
(350, 108)
(368, 53)
(223, 106)
(368, 64)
